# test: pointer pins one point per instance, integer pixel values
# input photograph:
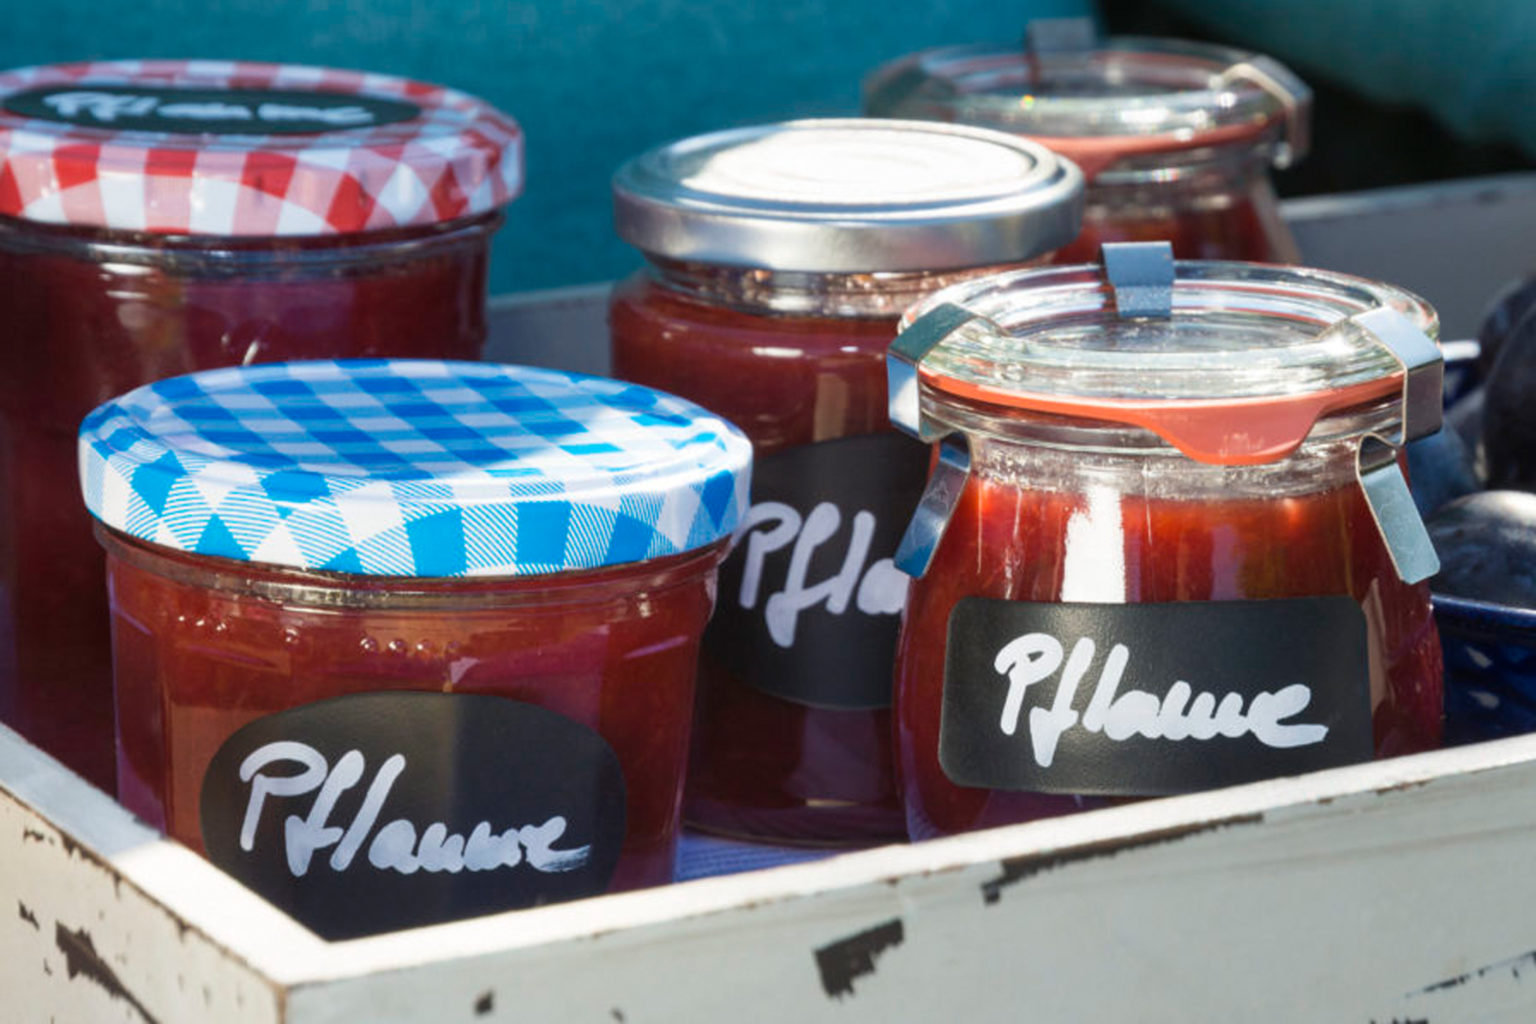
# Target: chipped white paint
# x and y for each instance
(100, 920)
(1350, 894)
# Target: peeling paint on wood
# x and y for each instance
(1401, 787)
(485, 1004)
(82, 960)
(1525, 962)
(28, 916)
(1017, 869)
(843, 961)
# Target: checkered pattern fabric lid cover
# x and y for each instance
(413, 468)
(224, 148)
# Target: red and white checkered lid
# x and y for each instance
(248, 149)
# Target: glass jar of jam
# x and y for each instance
(1167, 544)
(1175, 137)
(779, 259)
(397, 641)
(159, 217)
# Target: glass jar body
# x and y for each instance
(94, 313)
(1209, 204)
(1175, 138)
(1045, 522)
(204, 646)
(802, 375)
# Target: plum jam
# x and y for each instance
(1148, 564)
(162, 217)
(1175, 137)
(298, 553)
(779, 259)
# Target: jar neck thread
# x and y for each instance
(1229, 168)
(246, 258)
(873, 296)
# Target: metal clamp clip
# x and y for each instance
(904, 357)
(947, 479)
(1295, 98)
(1141, 274)
(1376, 463)
(946, 482)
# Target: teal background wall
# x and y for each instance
(1470, 64)
(592, 81)
(596, 81)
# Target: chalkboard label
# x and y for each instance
(381, 811)
(809, 601)
(1150, 699)
(191, 111)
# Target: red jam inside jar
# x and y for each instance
(203, 647)
(547, 539)
(1175, 138)
(216, 250)
(740, 310)
(1068, 509)
(763, 765)
(1207, 209)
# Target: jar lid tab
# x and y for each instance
(1050, 36)
(1141, 274)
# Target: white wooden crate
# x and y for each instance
(1393, 891)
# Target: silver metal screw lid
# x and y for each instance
(849, 196)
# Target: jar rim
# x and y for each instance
(249, 257)
(1248, 359)
(314, 588)
(1125, 95)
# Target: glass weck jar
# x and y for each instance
(159, 217)
(779, 260)
(398, 641)
(1167, 543)
(1175, 137)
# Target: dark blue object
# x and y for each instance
(1465, 417)
(1440, 470)
(1502, 318)
(705, 856)
(1509, 416)
(1490, 669)
(1462, 369)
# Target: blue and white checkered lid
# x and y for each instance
(413, 468)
